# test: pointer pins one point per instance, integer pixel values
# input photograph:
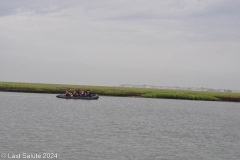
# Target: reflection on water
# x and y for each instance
(119, 128)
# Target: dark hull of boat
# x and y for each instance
(94, 97)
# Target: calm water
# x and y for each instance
(113, 128)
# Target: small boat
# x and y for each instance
(94, 97)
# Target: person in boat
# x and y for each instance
(68, 92)
(89, 93)
(83, 93)
(75, 93)
(78, 92)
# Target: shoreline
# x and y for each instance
(121, 91)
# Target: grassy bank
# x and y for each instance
(119, 91)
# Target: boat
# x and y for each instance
(94, 97)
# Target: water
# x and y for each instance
(113, 128)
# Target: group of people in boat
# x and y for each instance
(78, 92)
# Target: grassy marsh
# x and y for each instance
(121, 91)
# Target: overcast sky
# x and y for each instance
(186, 43)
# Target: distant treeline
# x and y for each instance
(179, 88)
(121, 91)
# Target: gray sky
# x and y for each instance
(186, 43)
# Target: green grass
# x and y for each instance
(181, 96)
(121, 91)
